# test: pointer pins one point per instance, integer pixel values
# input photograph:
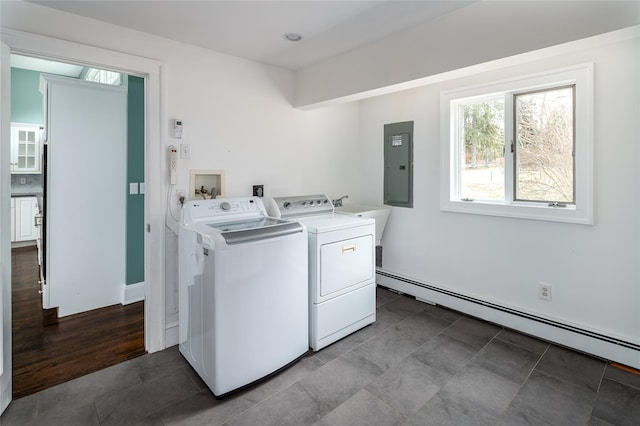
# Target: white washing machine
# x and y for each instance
(243, 291)
(341, 267)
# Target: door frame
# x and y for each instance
(28, 44)
(5, 237)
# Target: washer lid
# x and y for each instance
(247, 231)
(260, 222)
(333, 222)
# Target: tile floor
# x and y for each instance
(417, 365)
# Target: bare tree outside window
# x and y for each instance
(544, 134)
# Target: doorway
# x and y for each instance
(90, 158)
(24, 43)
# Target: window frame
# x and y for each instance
(582, 211)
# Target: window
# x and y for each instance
(103, 76)
(520, 148)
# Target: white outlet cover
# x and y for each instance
(544, 291)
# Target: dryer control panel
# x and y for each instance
(302, 205)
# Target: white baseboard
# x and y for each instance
(171, 336)
(133, 293)
(582, 339)
(5, 394)
(18, 244)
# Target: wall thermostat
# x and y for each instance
(177, 129)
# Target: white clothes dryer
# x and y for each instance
(341, 267)
(243, 291)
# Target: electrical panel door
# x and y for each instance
(398, 164)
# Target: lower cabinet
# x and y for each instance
(23, 219)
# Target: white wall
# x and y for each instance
(237, 115)
(593, 269)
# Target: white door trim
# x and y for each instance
(66, 51)
(6, 383)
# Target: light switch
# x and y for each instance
(142, 187)
(133, 188)
(185, 151)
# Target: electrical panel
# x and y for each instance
(398, 164)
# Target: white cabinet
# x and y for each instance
(13, 219)
(24, 211)
(26, 142)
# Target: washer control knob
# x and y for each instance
(304, 204)
(311, 203)
(286, 205)
(325, 202)
(225, 206)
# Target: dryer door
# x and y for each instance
(345, 265)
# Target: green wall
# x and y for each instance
(27, 107)
(26, 100)
(135, 173)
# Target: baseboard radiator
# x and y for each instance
(581, 339)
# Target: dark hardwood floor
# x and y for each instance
(48, 351)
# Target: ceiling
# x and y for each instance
(255, 29)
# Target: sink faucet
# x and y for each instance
(338, 202)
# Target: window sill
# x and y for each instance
(521, 210)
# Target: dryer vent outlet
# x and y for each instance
(258, 190)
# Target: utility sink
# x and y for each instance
(378, 213)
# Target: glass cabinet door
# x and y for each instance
(25, 148)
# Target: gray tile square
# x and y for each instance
(388, 348)
(445, 353)
(77, 416)
(202, 409)
(158, 363)
(573, 367)
(442, 312)
(422, 325)
(383, 295)
(526, 342)
(617, 403)
(20, 412)
(594, 421)
(85, 390)
(472, 331)
(506, 360)
(264, 389)
(622, 376)
(146, 398)
(548, 400)
(403, 306)
(477, 389)
(363, 409)
(147, 421)
(293, 406)
(409, 385)
(340, 379)
(439, 412)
